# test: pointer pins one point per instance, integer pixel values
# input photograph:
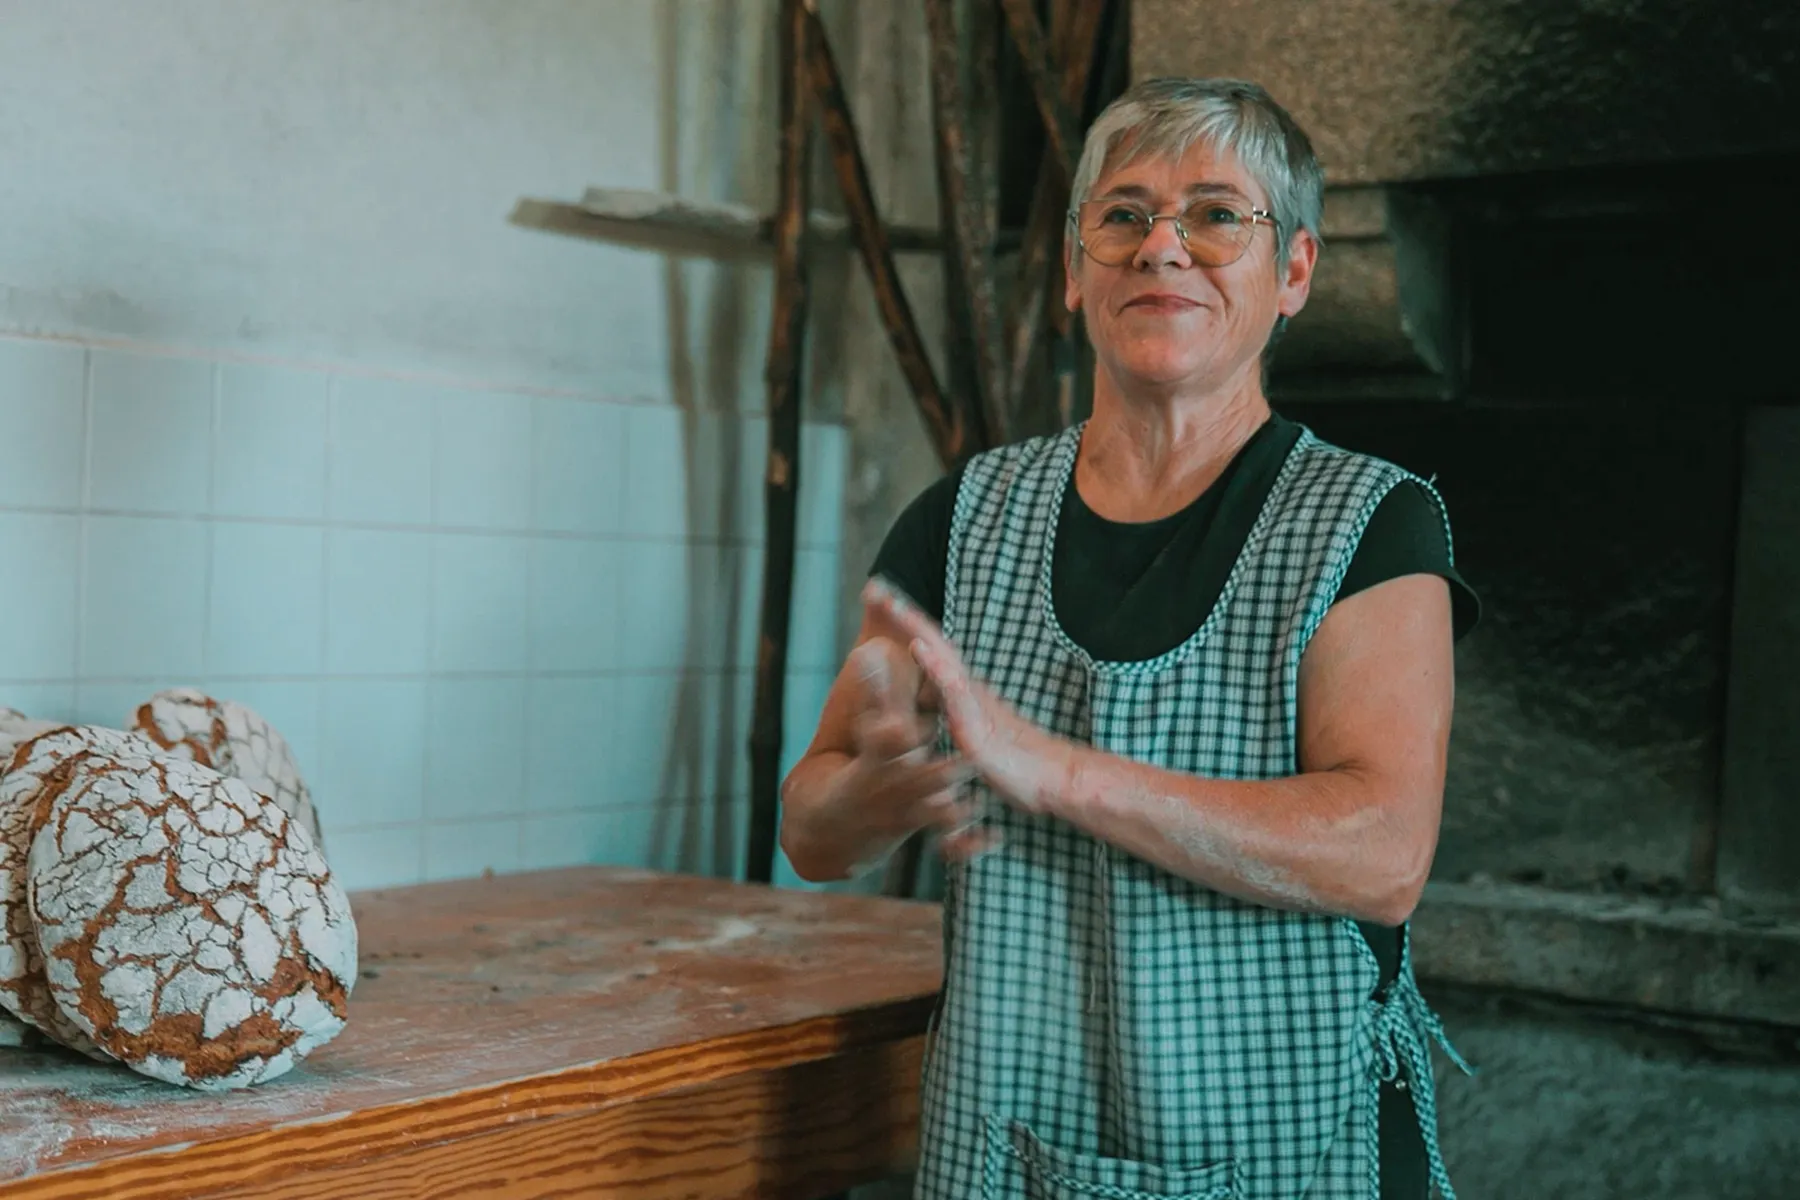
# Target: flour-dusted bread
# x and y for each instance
(26, 789)
(16, 729)
(188, 925)
(233, 740)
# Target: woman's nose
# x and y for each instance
(1162, 246)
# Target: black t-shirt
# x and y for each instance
(1132, 590)
(1126, 591)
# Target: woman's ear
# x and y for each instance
(1071, 285)
(1296, 279)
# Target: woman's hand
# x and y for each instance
(899, 781)
(1022, 764)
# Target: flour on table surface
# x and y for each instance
(188, 925)
(233, 740)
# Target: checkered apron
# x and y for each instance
(1108, 1029)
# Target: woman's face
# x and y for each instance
(1166, 321)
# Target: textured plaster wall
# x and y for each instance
(1410, 89)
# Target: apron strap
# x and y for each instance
(1405, 1028)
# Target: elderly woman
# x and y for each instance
(1175, 687)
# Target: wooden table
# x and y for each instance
(588, 1032)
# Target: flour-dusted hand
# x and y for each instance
(900, 781)
(1020, 762)
(878, 770)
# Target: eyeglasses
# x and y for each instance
(1215, 234)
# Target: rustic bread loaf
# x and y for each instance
(16, 729)
(188, 926)
(26, 790)
(233, 740)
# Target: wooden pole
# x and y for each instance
(951, 434)
(986, 32)
(1075, 41)
(962, 205)
(1039, 270)
(1107, 78)
(783, 371)
(1060, 125)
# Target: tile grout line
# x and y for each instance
(324, 713)
(418, 377)
(624, 540)
(85, 488)
(529, 701)
(416, 676)
(432, 681)
(216, 378)
(621, 498)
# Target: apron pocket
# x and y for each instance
(1022, 1166)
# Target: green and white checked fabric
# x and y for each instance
(1108, 1029)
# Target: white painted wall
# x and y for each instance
(331, 179)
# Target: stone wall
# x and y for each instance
(1587, 732)
(1417, 89)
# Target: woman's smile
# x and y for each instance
(1167, 303)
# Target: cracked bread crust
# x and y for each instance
(25, 794)
(234, 740)
(188, 926)
(16, 729)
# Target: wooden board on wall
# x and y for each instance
(1759, 834)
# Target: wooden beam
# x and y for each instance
(1076, 37)
(950, 434)
(963, 213)
(659, 221)
(984, 37)
(782, 380)
(1060, 125)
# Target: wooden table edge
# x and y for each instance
(239, 1160)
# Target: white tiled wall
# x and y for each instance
(501, 630)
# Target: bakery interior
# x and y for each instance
(417, 398)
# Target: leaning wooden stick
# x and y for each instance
(950, 433)
(1075, 40)
(782, 376)
(963, 208)
(1060, 124)
(1026, 318)
(1105, 39)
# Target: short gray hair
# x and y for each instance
(1165, 117)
